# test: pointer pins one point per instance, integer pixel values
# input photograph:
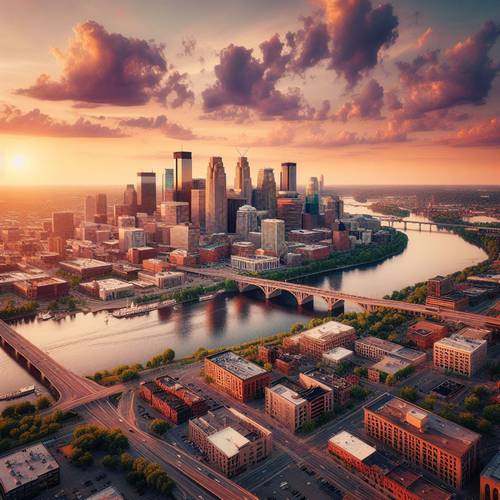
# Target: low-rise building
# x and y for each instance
(167, 404)
(337, 355)
(26, 473)
(385, 474)
(475, 333)
(42, 288)
(86, 268)
(424, 333)
(489, 480)
(155, 265)
(255, 264)
(197, 404)
(165, 279)
(240, 378)
(230, 440)
(460, 355)
(389, 365)
(314, 252)
(340, 386)
(108, 289)
(375, 348)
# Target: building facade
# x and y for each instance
(243, 180)
(273, 236)
(146, 192)
(460, 355)
(216, 197)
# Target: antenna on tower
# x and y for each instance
(239, 152)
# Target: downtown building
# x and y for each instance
(273, 237)
(460, 355)
(243, 180)
(246, 221)
(375, 348)
(441, 447)
(288, 177)
(240, 378)
(63, 225)
(146, 192)
(264, 197)
(183, 177)
(198, 203)
(216, 197)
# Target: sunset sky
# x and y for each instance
(403, 92)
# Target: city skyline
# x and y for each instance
(408, 110)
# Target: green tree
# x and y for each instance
(471, 403)
(127, 375)
(268, 367)
(409, 393)
(42, 403)
(492, 413)
(159, 426)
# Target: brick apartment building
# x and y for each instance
(340, 386)
(424, 333)
(460, 355)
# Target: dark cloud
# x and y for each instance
(175, 91)
(238, 114)
(161, 123)
(463, 74)
(392, 100)
(365, 105)
(358, 32)
(109, 68)
(482, 134)
(188, 46)
(310, 44)
(34, 122)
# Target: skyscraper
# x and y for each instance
(288, 177)
(89, 208)
(242, 179)
(130, 199)
(246, 220)
(168, 184)
(321, 184)
(63, 224)
(146, 192)
(234, 202)
(101, 207)
(312, 197)
(273, 236)
(265, 194)
(174, 212)
(216, 197)
(289, 209)
(183, 170)
(198, 203)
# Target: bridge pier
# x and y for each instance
(302, 298)
(270, 291)
(405, 225)
(420, 226)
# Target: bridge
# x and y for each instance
(332, 298)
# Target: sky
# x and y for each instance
(397, 92)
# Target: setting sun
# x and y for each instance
(19, 162)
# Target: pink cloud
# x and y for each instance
(423, 38)
(486, 133)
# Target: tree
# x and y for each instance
(360, 371)
(428, 403)
(481, 391)
(129, 374)
(268, 367)
(471, 402)
(409, 393)
(484, 426)
(467, 419)
(296, 328)
(492, 413)
(159, 426)
(42, 403)
(169, 355)
(358, 392)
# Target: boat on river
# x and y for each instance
(208, 296)
(135, 309)
(23, 391)
(46, 316)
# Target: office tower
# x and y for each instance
(288, 177)
(101, 207)
(246, 220)
(243, 180)
(198, 203)
(216, 197)
(125, 221)
(265, 194)
(289, 208)
(273, 236)
(174, 212)
(168, 184)
(312, 197)
(185, 236)
(321, 184)
(234, 202)
(131, 237)
(63, 224)
(89, 208)
(183, 170)
(130, 199)
(146, 192)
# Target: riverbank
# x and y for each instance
(388, 209)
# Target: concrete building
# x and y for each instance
(390, 477)
(273, 236)
(165, 279)
(439, 286)
(109, 289)
(443, 448)
(63, 225)
(288, 177)
(234, 203)
(243, 249)
(255, 263)
(424, 333)
(375, 348)
(241, 379)
(130, 199)
(389, 365)
(489, 480)
(125, 221)
(146, 192)
(320, 339)
(216, 197)
(230, 440)
(198, 203)
(476, 334)
(289, 208)
(264, 197)
(460, 355)
(243, 180)
(185, 236)
(131, 237)
(86, 268)
(89, 209)
(246, 220)
(312, 197)
(293, 405)
(174, 212)
(101, 207)
(337, 355)
(28, 472)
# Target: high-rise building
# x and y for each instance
(63, 224)
(101, 206)
(246, 220)
(234, 203)
(168, 184)
(183, 167)
(273, 236)
(146, 192)
(265, 194)
(288, 177)
(130, 199)
(289, 208)
(312, 197)
(185, 236)
(243, 180)
(198, 203)
(321, 184)
(174, 212)
(216, 197)
(131, 237)
(89, 208)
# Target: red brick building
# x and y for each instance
(197, 404)
(424, 333)
(167, 404)
(489, 480)
(136, 255)
(42, 288)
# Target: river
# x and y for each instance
(89, 342)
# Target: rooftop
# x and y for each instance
(328, 378)
(337, 353)
(237, 365)
(460, 343)
(112, 283)
(391, 365)
(474, 333)
(85, 263)
(327, 331)
(108, 493)
(289, 394)
(386, 345)
(229, 441)
(493, 468)
(25, 466)
(351, 444)
(447, 435)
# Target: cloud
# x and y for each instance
(358, 32)
(486, 133)
(423, 38)
(175, 85)
(160, 122)
(463, 74)
(36, 123)
(237, 114)
(109, 68)
(311, 44)
(188, 46)
(365, 105)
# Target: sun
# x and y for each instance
(18, 162)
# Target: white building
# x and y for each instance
(254, 264)
(337, 355)
(131, 237)
(460, 354)
(273, 236)
(164, 279)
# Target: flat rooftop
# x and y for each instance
(229, 441)
(327, 331)
(328, 378)
(289, 394)
(391, 365)
(85, 263)
(113, 283)
(337, 353)
(352, 445)
(236, 365)
(108, 493)
(459, 343)
(443, 433)
(386, 345)
(25, 466)
(474, 333)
